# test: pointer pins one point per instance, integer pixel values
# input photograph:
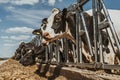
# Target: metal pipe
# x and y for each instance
(66, 49)
(46, 54)
(99, 32)
(88, 38)
(94, 25)
(80, 41)
(74, 53)
(57, 51)
(77, 34)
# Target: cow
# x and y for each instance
(20, 51)
(65, 22)
(65, 30)
(27, 53)
(33, 55)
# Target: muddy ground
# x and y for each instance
(12, 70)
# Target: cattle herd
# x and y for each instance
(60, 25)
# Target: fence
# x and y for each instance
(58, 53)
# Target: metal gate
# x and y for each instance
(53, 51)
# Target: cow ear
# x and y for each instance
(44, 21)
(55, 10)
(64, 12)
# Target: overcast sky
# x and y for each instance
(18, 18)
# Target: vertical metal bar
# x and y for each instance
(57, 53)
(80, 40)
(77, 34)
(100, 48)
(46, 54)
(51, 51)
(67, 53)
(112, 28)
(88, 39)
(66, 49)
(94, 25)
(74, 53)
(100, 34)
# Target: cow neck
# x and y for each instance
(71, 21)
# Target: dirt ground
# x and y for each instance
(12, 70)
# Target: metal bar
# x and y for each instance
(88, 38)
(100, 47)
(99, 31)
(66, 49)
(74, 53)
(88, 65)
(79, 4)
(46, 54)
(57, 51)
(94, 25)
(51, 51)
(115, 67)
(77, 34)
(82, 2)
(103, 25)
(80, 40)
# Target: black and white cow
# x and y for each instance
(28, 53)
(62, 29)
(65, 22)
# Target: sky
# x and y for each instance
(18, 18)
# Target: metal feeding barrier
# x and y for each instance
(58, 53)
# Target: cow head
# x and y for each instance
(59, 21)
(28, 58)
(47, 23)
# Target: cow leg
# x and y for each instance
(63, 35)
(86, 54)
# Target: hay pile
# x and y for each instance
(12, 70)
